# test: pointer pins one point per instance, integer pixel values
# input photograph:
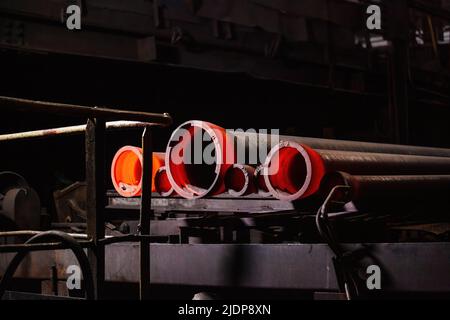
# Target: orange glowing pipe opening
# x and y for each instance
(126, 170)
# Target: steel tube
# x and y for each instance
(70, 130)
(126, 170)
(18, 104)
(376, 190)
(295, 171)
(190, 174)
(359, 146)
(239, 180)
(199, 154)
(195, 180)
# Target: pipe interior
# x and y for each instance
(287, 171)
(128, 169)
(162, 182)
(189, 174)
(235, 179)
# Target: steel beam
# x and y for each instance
(96, 201)
(405, 267)
(145, 214)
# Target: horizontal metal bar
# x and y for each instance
(70, 130)
(405, 267)
(247, 204)
(33, 233)
(16, 295)
(27, 247)
(131, 238)
(84, 111)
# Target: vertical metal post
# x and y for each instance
(146, 213)
(399, 69)
(96, 199)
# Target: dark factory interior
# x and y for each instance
(362, 107)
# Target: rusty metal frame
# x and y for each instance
(95, 130)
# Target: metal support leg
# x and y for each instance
(96, 200)
(399, 69)
(146, 213)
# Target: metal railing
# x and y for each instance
(95, 239)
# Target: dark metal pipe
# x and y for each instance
(18, 104)
(27, 247)
(379, 163)
(346, 145)
(378, 190)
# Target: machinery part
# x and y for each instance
(70, 203)
(126, 170)
(162, 183)
(10, 180)
(376, 191)
(343, 260)
(239, 180)
(19, 203)
(260, 183)
(23, 207)
(295, 171)
(190, 173)
(65, 239)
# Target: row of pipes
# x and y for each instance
(291, 169)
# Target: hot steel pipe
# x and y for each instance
(239, 180)
(197, 157)
(191, 175)
(193, 139)
(295, 171)
(260, 182)
(126, 170)
(162, 183)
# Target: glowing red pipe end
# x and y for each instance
(126, 170)
(239, 180)
(293, 171)
(190, 174)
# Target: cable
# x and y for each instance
(65, 239)
(341, 260)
